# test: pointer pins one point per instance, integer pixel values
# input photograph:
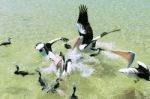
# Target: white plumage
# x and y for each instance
(81, 28)
(39, 46)
(129, 71)
(142, 64)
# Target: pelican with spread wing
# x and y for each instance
(85, 31)
(86, 42)
(46, 49)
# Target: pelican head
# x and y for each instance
(39, 46)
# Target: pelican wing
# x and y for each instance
(83, 25)
(142, 67)
(129, 71)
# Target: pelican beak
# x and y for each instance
(128, 55)
(78, 42)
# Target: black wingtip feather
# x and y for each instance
(83, 17)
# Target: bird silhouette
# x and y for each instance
(6, 42)
(42, 82)
(73, 96)
(22, 73)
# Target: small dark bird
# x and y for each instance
(54, 86)
(42, 82)
(6, 43)
(73, 96)
(22, 73)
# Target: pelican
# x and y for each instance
(6, 42)
(141, 72)
(73, 96)
(66, 69)
(22, 73)
(64, 66)
(85, 41)
(46, 49)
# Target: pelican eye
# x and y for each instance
(41, 50)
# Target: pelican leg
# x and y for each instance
(97, 53)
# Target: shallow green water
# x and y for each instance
(29, 22)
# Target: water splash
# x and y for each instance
(74, 55)
(61, 92)
(50, 69)
(83, 62)
(107, 45)
(85, 70)
(79, 62)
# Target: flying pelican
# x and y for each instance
(86, 42)
(141, 72)
(22, 73)
(73, 96)
(6, 42)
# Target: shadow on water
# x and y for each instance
(131, 93)
(17, 90)
(105, 69)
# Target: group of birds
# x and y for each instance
(84, 43)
